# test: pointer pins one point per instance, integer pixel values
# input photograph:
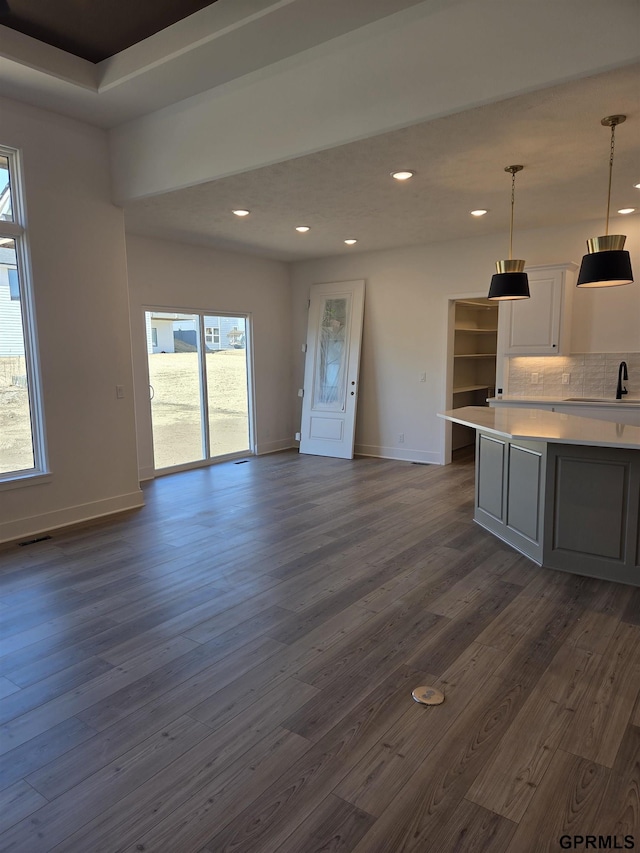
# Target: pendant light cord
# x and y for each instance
(513, 198)
(613, 145)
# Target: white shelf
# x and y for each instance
(473, 372)
(464, 388)
(475, 355)
(479, 306)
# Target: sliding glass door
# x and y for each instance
(227, 384)
(199, 386)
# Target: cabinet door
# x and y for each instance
(533, 326)
(540, 325)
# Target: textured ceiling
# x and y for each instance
(459, 160)
(95, 29)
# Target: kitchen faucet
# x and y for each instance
(622, 374)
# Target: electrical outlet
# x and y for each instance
(298, 437)
(120, 392)
(535, 378)
(401, 438)
(566, 378)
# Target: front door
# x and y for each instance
(332, 364)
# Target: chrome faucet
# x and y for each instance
(622, 374)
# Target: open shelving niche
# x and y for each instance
(474, 359)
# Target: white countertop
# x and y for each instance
(625, 403)
(542, 425)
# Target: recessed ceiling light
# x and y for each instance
(637, 186)
(479, 212)
(626, 210)
(350, 242)
(303, 228)
(402, 175)
(241, 212)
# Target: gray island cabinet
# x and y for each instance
(561, 489)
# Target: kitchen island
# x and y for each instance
(561, 489)
(623, 411)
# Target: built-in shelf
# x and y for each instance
(475, 355)
(477, 304)
(464, 388)
(475, 327)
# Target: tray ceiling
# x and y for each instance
(95, 29)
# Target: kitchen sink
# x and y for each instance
(600, 400)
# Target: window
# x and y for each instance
(22, 452)
(14, 288)
(212, 335)
(154, 336)
(6, 208)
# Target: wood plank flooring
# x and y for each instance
(229, 670)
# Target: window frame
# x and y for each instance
(17, 231)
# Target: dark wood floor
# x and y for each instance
(230, 669)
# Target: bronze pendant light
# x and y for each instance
(510, 281)
(606, 264)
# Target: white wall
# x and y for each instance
(177, 276)
(405, 323)
(80, 283)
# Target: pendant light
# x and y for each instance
(606, 264)
(510, 281)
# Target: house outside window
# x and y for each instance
(22, 450)
(154, 336)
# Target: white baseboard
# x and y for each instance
(427, 457)
(275, 446)
(145, 474)
(37, 524)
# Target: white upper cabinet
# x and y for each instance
(540, 325)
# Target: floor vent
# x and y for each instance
(241, 462)
(33, 541)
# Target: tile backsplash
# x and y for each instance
(592, 374)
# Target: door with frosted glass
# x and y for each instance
(331, 369)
